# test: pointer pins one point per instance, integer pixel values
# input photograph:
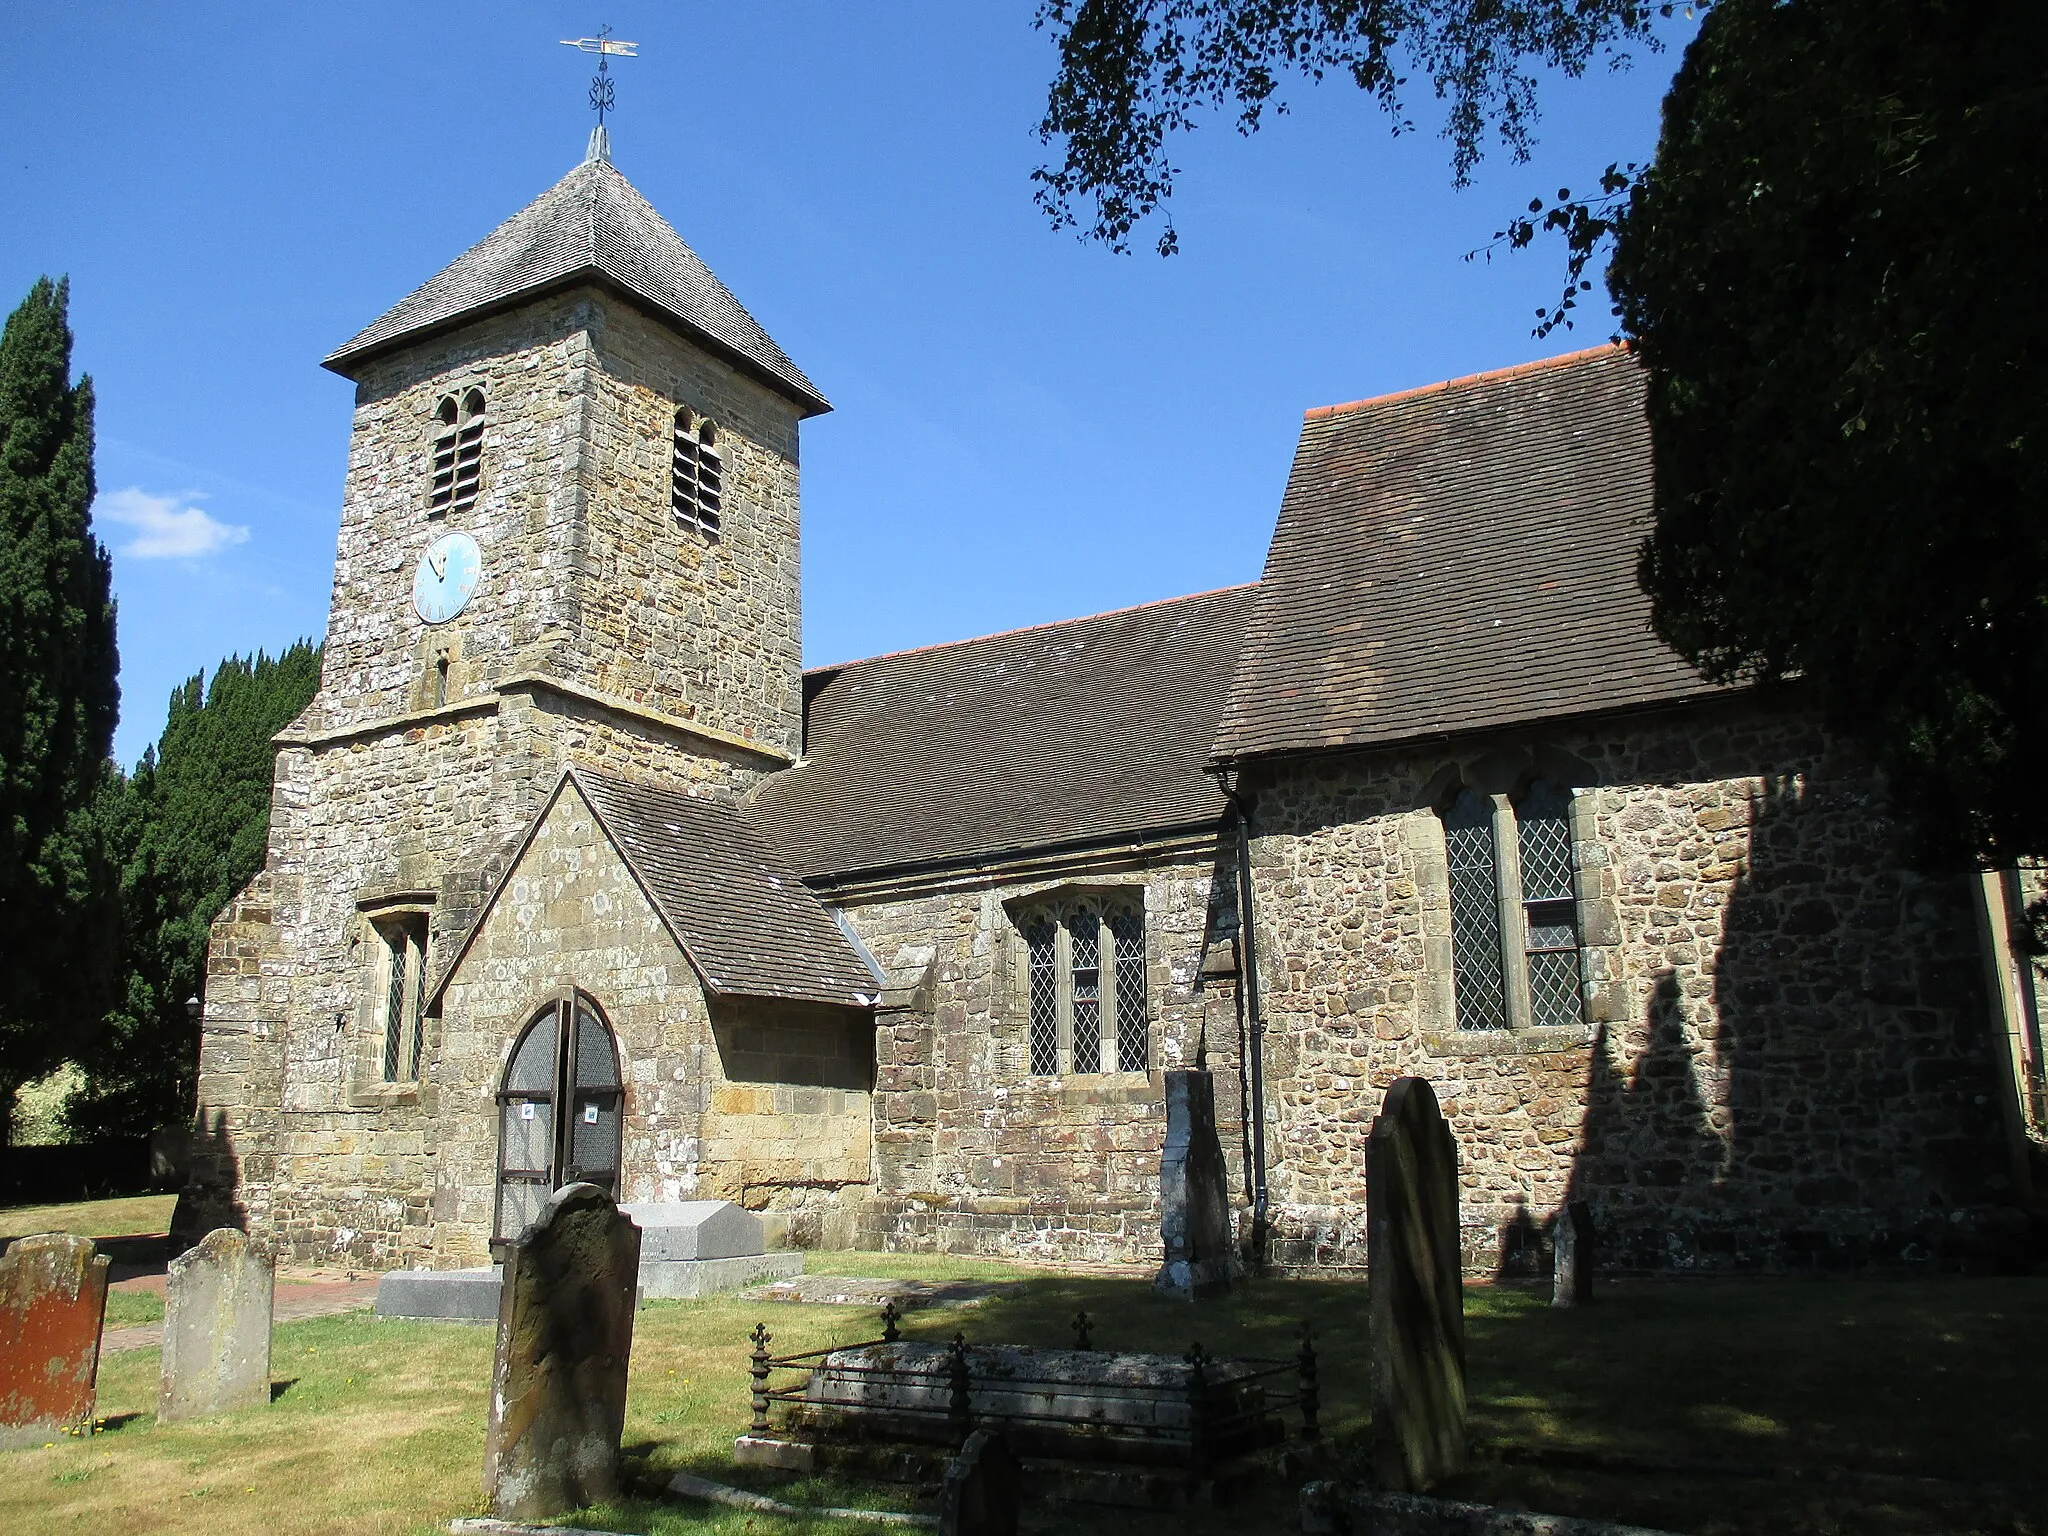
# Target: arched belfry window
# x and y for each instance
(1084, 964)
(458, 453)
(1550, 908)
(560, 1110)
(1474, 859)
(697, 482)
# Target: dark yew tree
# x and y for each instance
(190, 829)
(1832, 272)
(58, 701)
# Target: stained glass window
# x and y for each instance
(1479, 980)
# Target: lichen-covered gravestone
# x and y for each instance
(217, 1303)
(983, 1488)
(1194, 1195)
(565, 1334)
(1417, 1297)
(1572, 1241)
(53, 1298)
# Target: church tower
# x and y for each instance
(569, 534)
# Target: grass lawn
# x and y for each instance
(125, 1217)
(378, 1426)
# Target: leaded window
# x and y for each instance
(1550, 908)
(458, 454)
(402, 945)
(1084, 965)
(697, 480)
(1469, 847)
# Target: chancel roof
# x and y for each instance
(591, 226)
(1067, 733)
(748, 924)
(1456, 559)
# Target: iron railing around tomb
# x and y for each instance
(1182, 1411)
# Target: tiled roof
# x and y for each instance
(1074, 732)
(1458, 558)
(591, 226)
(747, 923)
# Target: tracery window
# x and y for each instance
(403, 963)
(697, 481)
(1515, 930)
(458, 454)
(1084, 965)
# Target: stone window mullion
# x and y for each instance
(1514, 922)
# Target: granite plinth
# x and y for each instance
(441, 1295)
(673, 1279)
(696, 1229)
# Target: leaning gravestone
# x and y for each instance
(53, 1299)
(983, 1488)
(1417, 1301)
(217, 1303)
(1572, 1241)
(565, 1334)
(1194, 1195)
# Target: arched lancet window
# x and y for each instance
(697, 482)
(1478, 977)
(1085, 970)
(559, 1111)
(458, 454)
(1550, 908)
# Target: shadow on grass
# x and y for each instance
(279, 1388)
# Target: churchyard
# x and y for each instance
(1712, 1406)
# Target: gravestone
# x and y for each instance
(53, 1299)
(701, 1247)
(216, 1354)
(565, 1334)
(1572, 1241)
(1194, 1195)
(983, 1488)
(1417, 1298)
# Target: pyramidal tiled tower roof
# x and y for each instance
(591, 226)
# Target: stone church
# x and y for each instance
(574, 871)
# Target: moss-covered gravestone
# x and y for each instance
(565, 1334)
(217, 1305)
(1573, 1238)
(1417, 1298)
(53, 1299)
(983, 1489)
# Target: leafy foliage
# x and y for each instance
(58, 699)
(190, 828)
(1134, 72)
(1832, 274)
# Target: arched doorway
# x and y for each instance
(559, 1111)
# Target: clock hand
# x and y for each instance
(438, 559)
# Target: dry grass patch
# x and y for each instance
(127, 1216)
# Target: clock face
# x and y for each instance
(446, 578)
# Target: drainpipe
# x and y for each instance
(1255, 1018)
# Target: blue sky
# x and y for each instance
(1027, 428)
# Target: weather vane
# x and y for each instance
(606, 47)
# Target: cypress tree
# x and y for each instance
(58, 702)
(191, 828)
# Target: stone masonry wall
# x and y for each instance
(707, 628)
(1788, 1053)
(975, 1155)
(388, 800)
(722, 1101)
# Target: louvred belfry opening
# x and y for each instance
(559, 1112)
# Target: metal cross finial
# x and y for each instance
(606, 47)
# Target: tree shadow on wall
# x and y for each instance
(212, 1194)
(1812, 1092)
